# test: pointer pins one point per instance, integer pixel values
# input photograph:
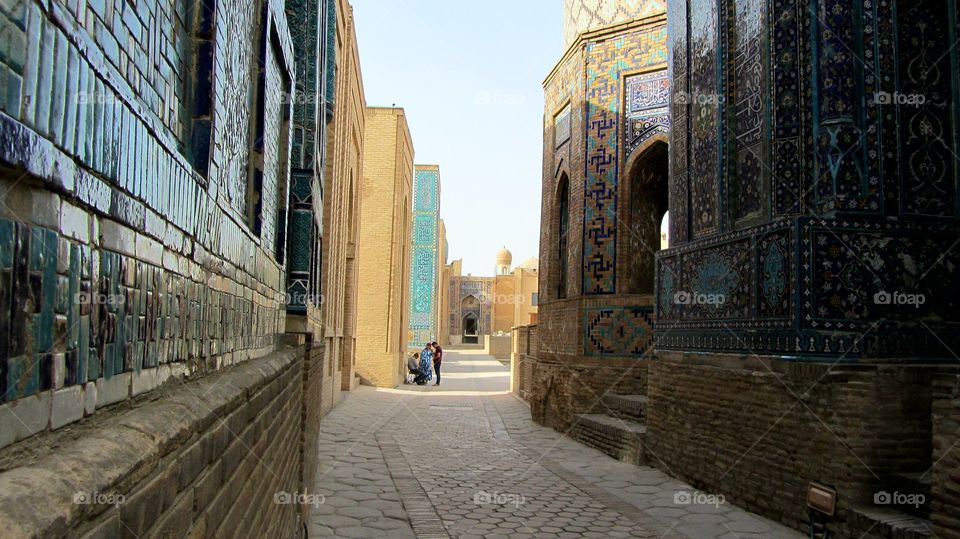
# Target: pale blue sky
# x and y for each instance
(469, 75)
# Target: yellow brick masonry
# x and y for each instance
(384, 256)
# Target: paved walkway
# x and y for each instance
(465, 460)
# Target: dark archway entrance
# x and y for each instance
(648, 192)
(470, 329)
(470, 321)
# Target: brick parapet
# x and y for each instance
(206, 458)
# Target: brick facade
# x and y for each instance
(209, 458)
(945, 489)
(146, 154)
(806, 369)
(522, 357)
(385, 227)
(443, 284)
(586, 314)
(341, 204)
(313, 111)
(760, 431)
(848, 371)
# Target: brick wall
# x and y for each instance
(312, 409)
(497, 346)
(522, 360)
(760, 432)
(561, 389)
(330, 380)
(210, 457)
(945, 504)
(136, 228)
(384, 260)
(341, 201)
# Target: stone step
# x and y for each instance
(632, 407)
(622, 439)
(910, 488)
(875, 521)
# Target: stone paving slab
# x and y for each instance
(468, 463)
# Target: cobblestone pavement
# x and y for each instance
(465, 460)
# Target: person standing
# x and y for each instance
(437, 359)
(426, 362)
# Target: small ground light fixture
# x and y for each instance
(822, 503)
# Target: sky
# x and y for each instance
(469, 76)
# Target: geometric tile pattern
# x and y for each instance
(424, 257)
(233, 98)
(606, 61)
(105, 120)
(821, 179)
(618, 331)
(302, 244)
(585, 15)
(312, 97)
(829, 303)
(70, 314)
(562, 126)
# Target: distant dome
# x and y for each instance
(532, 263)
(504, 257)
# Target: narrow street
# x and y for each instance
(465, 460)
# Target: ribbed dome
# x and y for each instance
(504, 257)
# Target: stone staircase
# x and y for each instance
(875, 522)
(903, 520)
(619, 432)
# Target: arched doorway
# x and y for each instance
(470, 320)
(648, 195)
(665, 231)
(471, 328)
